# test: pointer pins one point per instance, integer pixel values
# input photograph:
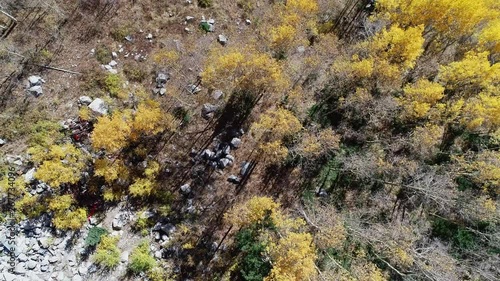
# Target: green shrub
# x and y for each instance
(253, 267)
(140, 259)
(120, 33)
(103, 54)
(94, 236)
(107, 253)
(134, 72)
(205, 3)
(113, 84)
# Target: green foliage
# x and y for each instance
(134, 72)
(45, 133)
(461, 238)
(103, 54)
(94, 236)
(205, 3)
(140, 259)
(107, 252)
(253, 267)
(120, 32)
(113, 84)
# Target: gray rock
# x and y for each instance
(77, 278)
(129, 38)
(162, 78)
(113, 63)
(107, 67)
(149, 36)
(211, 21)
(83, 270)
(36, 90)
(19, 269)
(162, 91)
(207, 109)
(113, 71)
(44, 268)
(236, 142)
(119, 221)
(43, 242)
(9, 276)
(31, 265)
(53, 259)
(222, 39)
(30, 175)
(217, 95)
(224, 162)
(2, 142)
(230, 158)
(85, 100)
(187, 30)
(99, 106)
(22, 257)
(189, 18)
(193, 89)
(207, 154)
(60, 276)
(35, 80)
(114, 55)
(234, 179)
(158, 254)
(245, 168)
(124, 257)
(301, 49)
(168, 228)
(248, 22)
(185, 189)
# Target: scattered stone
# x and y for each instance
(187, 30)
(112, 63)
(113, 71)
(224, 162)
(222, 40)
(245, 168)
(19, 269)
(158, 254)
(189, 18)
(162, 91)
(234, 179)
(22, 257)
(207, 154)
(236, 142)
(119, 221)
(77, 278)
(168, 228)
(193, 89)
(208, 110)
(124, 257)
(107, 67)
(35, 80)
(230, 158)
(129, 38)
(85, 100)
(157, 236)
(99, 106)
(30, 175)
(43, 242)
(31, 265)
(301, 49)
(217, 94)
(53, 259)
(149, 36)
(322, 193)
(114, 54)
(2, 142)
(36, 91)
(185, 189)
(161, 79)
(248, 22)
(83, 270)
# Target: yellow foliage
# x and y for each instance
(282, 36)
(29, 205)
(142, 187)
(419, 97)
(163, 56)
(64, 217)
(276, 124)
(110, 170)
(474, 69)
(233, 69)
(490, 36)
(450, 18)
(112, 133)
(60, 164)
(484, 169)
(293, 258)
(398, 46)
(84, 113)
(314, 145)
(148, 119)
(273, 152)
(427, 139)
(253, 211)
(482, 112)
(152, 170)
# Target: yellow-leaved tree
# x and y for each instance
(59, 164)
(272, 127)
(67, 216)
